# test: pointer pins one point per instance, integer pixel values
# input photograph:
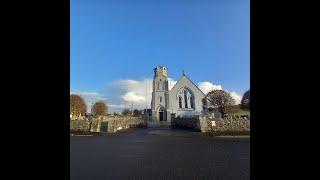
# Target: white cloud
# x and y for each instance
(208, 86)
(121, 106)
(134, 97)
(137, 92)
(237, 98)
(171, 83)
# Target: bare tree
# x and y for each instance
(218, 99)
(137, 113)
(77, 105)
(126, 112)
(99, 109)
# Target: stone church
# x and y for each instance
(183, 100)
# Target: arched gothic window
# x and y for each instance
(187, 96)
(192, 102)
(185, 99)
(160, 98)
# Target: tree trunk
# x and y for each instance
(90, 124)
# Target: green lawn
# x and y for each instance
(239, 111)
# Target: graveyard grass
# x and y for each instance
(239, 111)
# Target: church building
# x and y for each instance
(183, 100)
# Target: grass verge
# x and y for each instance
(229, 133)
(84, 133)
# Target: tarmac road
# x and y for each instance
(159, 154)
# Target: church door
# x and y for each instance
(161, 116)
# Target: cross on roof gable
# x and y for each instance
(185, 76)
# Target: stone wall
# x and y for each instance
(204, 124)
(114, 123)
(83, 125)
(229, 124)
(79, 125)
(191, 123)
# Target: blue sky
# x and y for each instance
(118, 41)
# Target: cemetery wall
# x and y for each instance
(113, 124)
(205, 124)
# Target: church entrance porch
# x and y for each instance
(161, 116)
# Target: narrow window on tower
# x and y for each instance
(180, 102)
(158, 85)
(160, 98)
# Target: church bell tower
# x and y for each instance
(160, 94)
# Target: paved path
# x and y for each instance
(159, 154)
